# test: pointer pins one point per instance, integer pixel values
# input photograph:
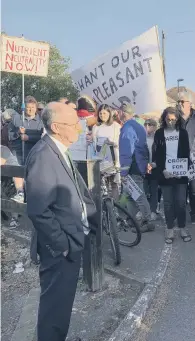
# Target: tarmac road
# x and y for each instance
(172, 315)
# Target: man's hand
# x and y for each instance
(24, 137)
(65, 253)
(124, 179)
(22, 130)
(167, 175)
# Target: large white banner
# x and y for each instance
(27, 57)
(132, 73)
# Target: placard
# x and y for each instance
(132, 188)
(27, 57)
(107, 164)
(192, 156)
(177, 167)
(128, 74)
(191, 173)
(78, 150)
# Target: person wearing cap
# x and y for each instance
(134, 158)
(188, 123)
(151, 181)
(62, 212)
(40, 108)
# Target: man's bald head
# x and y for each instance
(60, 112)
(61, 120)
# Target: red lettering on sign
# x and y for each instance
(9, 65)
(10, 45)
(8, 56)
(28, 67)
(19, 66)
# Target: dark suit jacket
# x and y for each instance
(53, 201)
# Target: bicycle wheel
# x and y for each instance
(128, 228)
(112, 230)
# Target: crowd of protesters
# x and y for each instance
(58, 201)
(141, 148)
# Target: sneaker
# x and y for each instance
(169, 236)
(153, 216)
(14, 223)
(19, 197)
(158, 208)
(185, 235)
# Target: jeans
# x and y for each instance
(192, 197)
(142, 203)
(174, 197)
(151, 188)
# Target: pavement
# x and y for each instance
(118, 309)
(172, 313)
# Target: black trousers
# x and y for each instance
(58, 281)
(192, 197)
(174, 197)
(151, 189)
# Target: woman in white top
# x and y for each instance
(108, 131)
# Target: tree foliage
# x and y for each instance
(57, 84)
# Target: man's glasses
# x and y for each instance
(69, 125)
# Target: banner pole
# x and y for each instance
(23, 113)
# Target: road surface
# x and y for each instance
(172, 315)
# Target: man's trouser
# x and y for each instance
(58, 281)
(151, 188)
(141, 204)
(192, 197)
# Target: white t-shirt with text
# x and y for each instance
(171, 139)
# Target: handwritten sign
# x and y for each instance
(78, 149)
(193, 158)
(191, 173)
(132, 188)
(19, 55)
(107, 164)
(127, 74)
(177, 167)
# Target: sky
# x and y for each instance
(83, 30)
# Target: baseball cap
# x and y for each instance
(185, 97)
(127, 108)
(150, 122)
(40, 106)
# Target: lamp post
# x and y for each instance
(178, 87)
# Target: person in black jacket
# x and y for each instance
(171, 142)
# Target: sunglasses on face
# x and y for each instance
(171, 119)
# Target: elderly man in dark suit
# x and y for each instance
(58, 204)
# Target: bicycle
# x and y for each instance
(116, 219)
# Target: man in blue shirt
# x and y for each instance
(134, 158)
